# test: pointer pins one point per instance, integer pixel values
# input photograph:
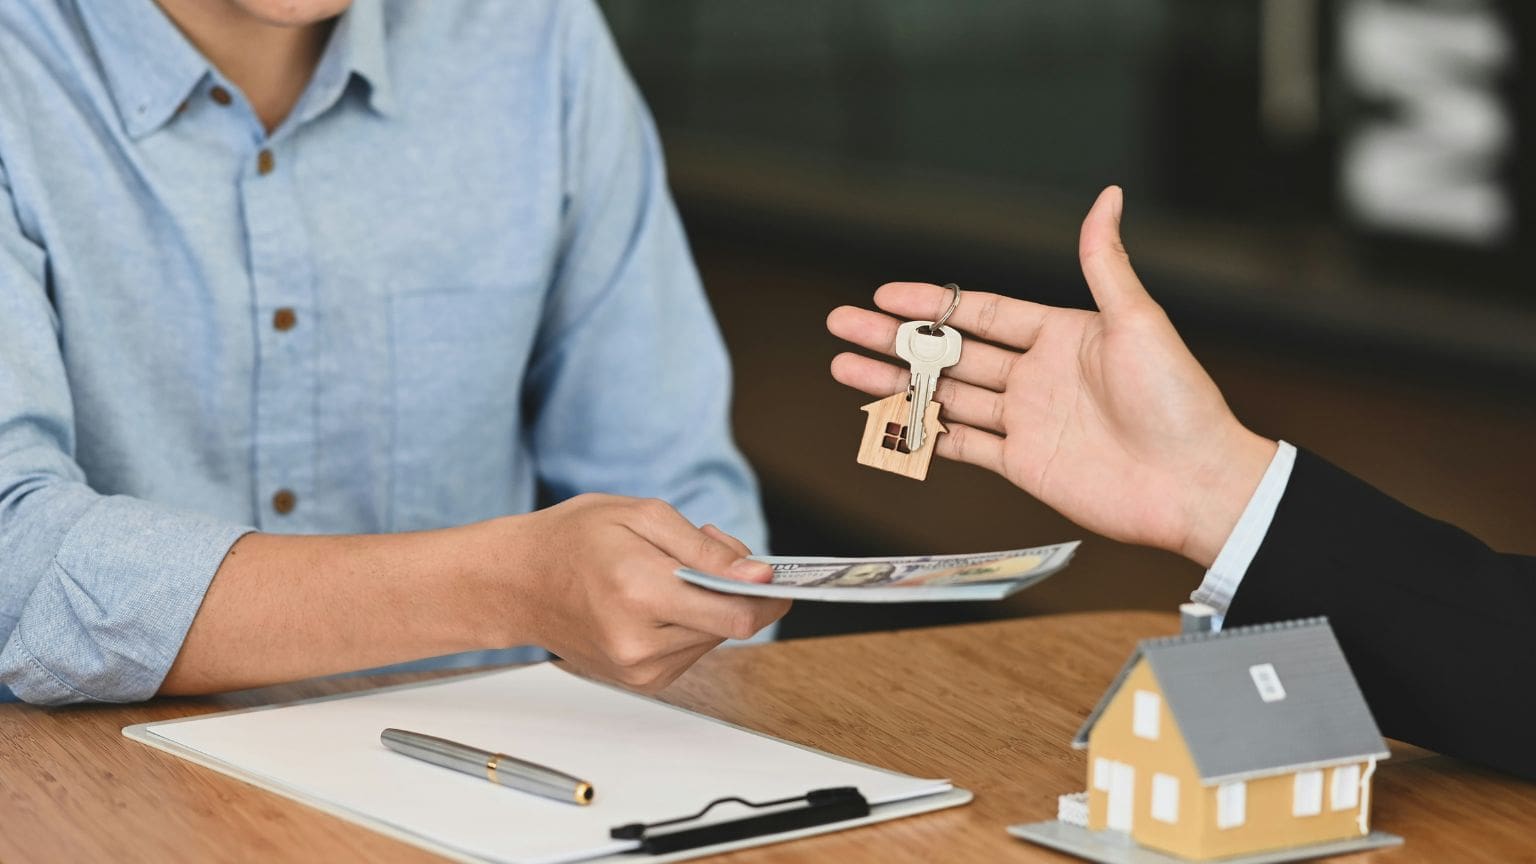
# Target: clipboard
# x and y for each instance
(241, 744)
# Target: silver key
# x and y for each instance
(928, 354)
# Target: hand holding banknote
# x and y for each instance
(1104, 415)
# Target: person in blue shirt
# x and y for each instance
(305, 306)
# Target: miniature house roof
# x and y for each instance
(1260, 700)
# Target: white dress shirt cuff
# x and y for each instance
(1226, 573)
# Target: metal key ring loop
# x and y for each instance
(953, 305)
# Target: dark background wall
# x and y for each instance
(1333, 200)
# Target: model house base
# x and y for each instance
(1116, 847)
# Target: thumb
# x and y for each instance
(1105, 263)
(715, 532)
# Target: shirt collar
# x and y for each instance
(151, 68)
(357, 47)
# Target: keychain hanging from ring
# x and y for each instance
(901, 430)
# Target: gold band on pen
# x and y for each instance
(490, 768)
(583, 794)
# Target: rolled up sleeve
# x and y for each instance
(96, 592)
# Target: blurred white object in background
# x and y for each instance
(1431, 162)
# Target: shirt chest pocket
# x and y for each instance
(459, 356)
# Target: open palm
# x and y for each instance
(1105, 416)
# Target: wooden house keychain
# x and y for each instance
(900, 431)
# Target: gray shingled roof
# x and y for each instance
(1232, 733)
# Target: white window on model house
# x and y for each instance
(1101, 768)
(1345, 794)
(1231, 804)
(1307, 793)
(1165, 798)
(1144, 714)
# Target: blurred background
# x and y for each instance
(1328, 196)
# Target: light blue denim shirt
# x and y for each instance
(451, 286)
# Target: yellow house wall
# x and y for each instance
(1268, 823)
(1112, 738)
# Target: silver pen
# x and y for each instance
(499, 768)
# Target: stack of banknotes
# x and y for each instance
(915, 578)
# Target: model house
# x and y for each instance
(884, 444)
(1210, 745)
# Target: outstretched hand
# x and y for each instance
(1105, 416)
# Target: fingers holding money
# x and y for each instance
(714, 531)
(963, 403)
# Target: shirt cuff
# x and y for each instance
(1226, 573)
(108, 617)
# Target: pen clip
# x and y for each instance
(834, 804)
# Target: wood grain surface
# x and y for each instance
(992, 706)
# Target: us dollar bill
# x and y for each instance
(973, 576)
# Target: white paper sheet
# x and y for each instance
(647, 761)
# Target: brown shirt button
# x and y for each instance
(220, 95)
(265, 162)
(284, 319)
(284, 502)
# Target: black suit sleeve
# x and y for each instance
(1439, 629)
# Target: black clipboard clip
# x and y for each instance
(822, 807)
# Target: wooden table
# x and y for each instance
(991, 705)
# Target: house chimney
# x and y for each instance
(1196, 618)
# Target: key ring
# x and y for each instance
(953, 305)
